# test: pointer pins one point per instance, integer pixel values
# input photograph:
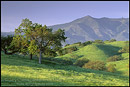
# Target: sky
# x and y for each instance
(58, 12)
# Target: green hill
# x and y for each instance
(94, 52)
(20, 71)
(102, 52)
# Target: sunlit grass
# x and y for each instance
(19, 71)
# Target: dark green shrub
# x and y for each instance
(96, 65)
(99, 41)
(80, 62)
(67, 45)
(50, 53)
(60, 53)
(78, 43)
(66, 62)
(124, 50)
(86, 43)
(74, 56)
(111, 68)
(114, 58)
(112, 40)
(69, 50)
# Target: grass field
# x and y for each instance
(95, 51)
(20, 71)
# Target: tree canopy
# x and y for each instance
(35, 38)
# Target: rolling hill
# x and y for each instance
(18, 70)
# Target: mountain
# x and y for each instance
(7, 33)
(89, 28)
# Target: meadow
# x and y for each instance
(19, 70)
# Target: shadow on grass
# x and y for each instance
(109, 49)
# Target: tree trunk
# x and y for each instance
(40, 57)
(5, 51)
(30, 56)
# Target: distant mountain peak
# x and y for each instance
(88, 16)
(90, 28)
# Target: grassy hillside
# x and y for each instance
(102, 52)
(122, 66)
(95, 51)
(17, 70)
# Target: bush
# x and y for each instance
(112, 40)
(50, 53)
(78, 43)
(111, 68)
(99, 41)
(60, 52)
(86, 43)
(66, 62)
(69, 50)
(67, 45)
(80, 62)
(74, 56)
(124, 50)
(96, 65)
(114, 58)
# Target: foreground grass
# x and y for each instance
(20, 71)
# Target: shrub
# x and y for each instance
(60, 52)
(114, 58)
(99, 41)
(50, 53)
(86, 43)
(78, 43)
(66, 62)
(69, 50)
(80, 62)
(74, 56)
(67, 45)
(124, 50)
(112, 40)
(111, 68)
(96, 65)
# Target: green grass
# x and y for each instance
(118, 43)
(93, 52)
(20, 71)
(122, 66)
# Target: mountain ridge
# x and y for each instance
(90, 28)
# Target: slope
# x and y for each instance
(20, 71)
